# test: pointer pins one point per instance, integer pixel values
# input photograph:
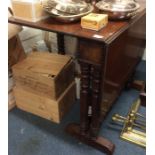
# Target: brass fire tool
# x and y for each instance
(134, 129)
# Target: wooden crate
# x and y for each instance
(44, 73)
(28, 10)
(53, 110)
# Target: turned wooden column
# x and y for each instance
(61, 43)
(95, 100)
(84, 97)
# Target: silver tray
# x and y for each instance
(66, 17)
(118, 9)
(68, 6)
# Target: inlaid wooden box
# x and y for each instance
(53, 110)
(94, 21)
(44, 73)
(30, 10)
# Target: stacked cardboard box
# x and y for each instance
(29, 10)
(44, 85)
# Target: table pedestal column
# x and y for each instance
(88, 128)
(60, 43)
(84, 97)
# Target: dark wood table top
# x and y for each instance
(106, 34)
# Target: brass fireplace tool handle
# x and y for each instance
(122, 119)
(134, 129)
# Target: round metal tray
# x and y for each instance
(66, 17)
(72, 7)
(118, 9)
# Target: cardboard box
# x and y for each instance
(44, 73)
(29, 10)
(94, 21)
(53, 110)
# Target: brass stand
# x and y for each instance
(134, 129)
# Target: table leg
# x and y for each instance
(100, 143)
(84, 98)
(96, 99)
(60, 43)
(83, 131)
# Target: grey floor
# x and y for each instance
(32, 135)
